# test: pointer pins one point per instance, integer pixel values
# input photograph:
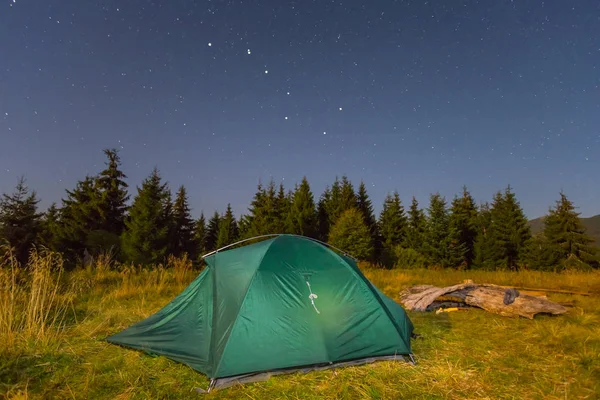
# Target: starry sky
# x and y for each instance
(414, 96)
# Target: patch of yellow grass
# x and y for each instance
(32, 302)
(465, 355)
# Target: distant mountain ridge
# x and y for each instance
(592, 225)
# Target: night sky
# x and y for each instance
(414, 96)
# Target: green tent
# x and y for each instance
(283, 304)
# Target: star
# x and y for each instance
(249, 52)
(209, 44)
(266, 71)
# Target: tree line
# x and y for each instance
(95, 217)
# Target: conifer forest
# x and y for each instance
(103, 214)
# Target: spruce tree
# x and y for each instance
(200, 236)
(510, 231)
(20, 222)
(417, 225)
(50, 228)
(112, 204)
(264, 216)
(146, 238)
(228, 232)
(283, 207)
(183, 226)
(212, 232)
(392, 226)
(352, 235)
(333, 204)
(463, 219)
(442, 247)
(365, 206)
(323, 215)
(348, 197)
(566, 235)
(81, 222)
(303, 215)
(483, 248)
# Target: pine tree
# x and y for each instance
(352, 235)
(228, 232)
(112, 204)
(463, 219)
(417, 225)
(146, 238)
(566, 235)
(442, 247)
(81, 222)
(212, 232)
(303, 215)
(283, 207)
(365, 206)
(510, 231)
(264, 216)
(200, 236)
(323, 216)
(483, 247)
(348, 197)
(392, 226)
(50, 228)
(20, 222)
(542, 255)
(183, 226)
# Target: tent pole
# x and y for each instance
(278, 234)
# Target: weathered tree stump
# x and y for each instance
(492, 298)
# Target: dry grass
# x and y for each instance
(52, 326)
(32, 303)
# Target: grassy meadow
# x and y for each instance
(52, 326)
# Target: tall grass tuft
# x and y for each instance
(182, 268)
(33, 304)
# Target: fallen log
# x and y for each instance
(492, 298)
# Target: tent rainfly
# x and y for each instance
(287, 303)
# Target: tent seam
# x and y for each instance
(216, 370)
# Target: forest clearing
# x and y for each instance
(53, 325)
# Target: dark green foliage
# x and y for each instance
(323, 216)
(146, 238)
(541, 255)
(510, 231)
(200, 236)
(283, 205)
(183, 226)
(365, 206)
(265, 212)
(566, 236)
(417, 225)
(408, 258)
(442, 246)
(303, 216)
(212, 232)
(112, 204)
(483, 247)
(341, 198)
(50, 228)
(228, 231)
(20, 222)
(463, 220)
(392, 228)
(80, 216)
(352, 235)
